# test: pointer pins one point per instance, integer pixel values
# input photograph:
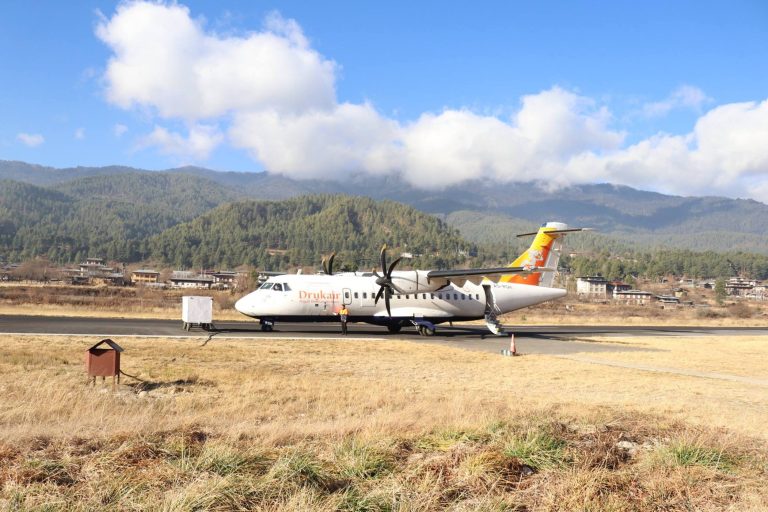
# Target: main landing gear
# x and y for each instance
(425, 328)
(426, 331)
(394, 328)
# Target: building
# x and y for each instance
(184, 279)
(639, 297)
(618, 286)
(593, 287)
(598, 287)
(738, 287)
(226, 279)
(145, 277)
(94, 271)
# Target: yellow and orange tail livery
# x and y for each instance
(543, 252)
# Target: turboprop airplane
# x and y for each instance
(422, 298)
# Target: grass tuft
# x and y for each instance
(688, 454)
(299, 469)
(538, 449)
(357, 460)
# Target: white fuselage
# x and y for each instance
(318, 298)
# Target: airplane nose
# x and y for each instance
(241, 305)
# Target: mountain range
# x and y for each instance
(486, 213)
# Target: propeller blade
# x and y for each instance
(386, 301)
(392, 267)
(379, 294)
(324, 264)
(330, 264)
(383, 255)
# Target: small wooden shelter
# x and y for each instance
(103, 362)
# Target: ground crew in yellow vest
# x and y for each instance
(343, 316)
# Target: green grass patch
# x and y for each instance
(445, 440)
(360, 461)
(538, 449)
(688, 454)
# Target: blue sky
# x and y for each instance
(669, 96)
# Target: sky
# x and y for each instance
(658, 95)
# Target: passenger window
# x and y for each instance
(423, 295)
(356, 295)
(455, 296)
(365, 295)
(407, 296)
(346, 295)
(278, 287)
(398, 296)
(463, 297)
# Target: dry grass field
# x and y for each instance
(382, 425)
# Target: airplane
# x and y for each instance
(422, 298)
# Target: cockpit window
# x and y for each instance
(278, 287)
(266, 286)
(286, 288)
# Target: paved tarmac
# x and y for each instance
(558, 340)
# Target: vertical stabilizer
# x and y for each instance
(543, 252)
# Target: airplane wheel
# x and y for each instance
(266, 328)
(426, 331)
(394, 328)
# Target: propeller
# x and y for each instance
(328, 264)
(386, 287)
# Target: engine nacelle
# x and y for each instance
(415, 281)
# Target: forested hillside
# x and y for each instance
(296, 232)
(108, 216)
(187, 217)
(660, 263)
(629, 217)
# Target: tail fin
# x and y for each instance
(543, 252)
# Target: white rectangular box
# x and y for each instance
(196, 310)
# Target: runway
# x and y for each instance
(559, 340)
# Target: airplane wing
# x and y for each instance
(477, 275)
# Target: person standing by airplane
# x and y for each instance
(343, 315)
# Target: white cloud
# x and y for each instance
(434, 151)
(274, 96)
(80, 134)
(349, 138)
(119, 130)
(685, 96)
(165, 60)
(30, 139)
(726, 153)
(198, 145)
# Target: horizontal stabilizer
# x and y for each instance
(556, 231)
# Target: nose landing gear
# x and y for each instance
(266, 325)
